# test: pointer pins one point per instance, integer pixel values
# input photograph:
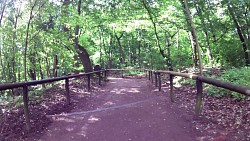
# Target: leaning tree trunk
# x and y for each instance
(81, 51)
(120, 47)
(194, 56)
(241, 36)
(27, 41)
(193, 31)
(203, 23)
(84, 57)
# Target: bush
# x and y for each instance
(239, 76)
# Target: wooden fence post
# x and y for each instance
(105, 75)
(67, 90)
(159, 79)
(198, 106)
(88, 75)
(149, 75)
(155, 79)
(152, 77)
(122, 73)
(108, 73)
(99, 77)
(26, 108)
(171, 87)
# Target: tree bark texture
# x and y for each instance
(193, 31)
(240, 34)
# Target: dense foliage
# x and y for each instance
(236, 75)
(41, 39)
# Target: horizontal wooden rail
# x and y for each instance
(199, 80)
(126, 69)
(226, 85)
(186, 75)
(43, 81)
(25, 85)
(219, 83)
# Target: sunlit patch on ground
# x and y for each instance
(93, 119)
(122, 91)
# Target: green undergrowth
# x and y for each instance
(133, 72)
(14, 98)
(239, 76)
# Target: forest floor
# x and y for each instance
(128, 109)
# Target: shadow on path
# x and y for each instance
(123, 110)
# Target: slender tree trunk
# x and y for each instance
(47, 66)
(40, 69)
(3, 6)
(100, 50)
(208, 52)
(27, 40)
(169, 62)
(14, 48)
(194, 33)
(19, 70)
(194, 54)
(139, 54)
(110, 51)
(2, 62)
(55, 65)
(153, 20)
(205, 32)
(177, 40)
(32, 58)
(241, 36)
(120, 47)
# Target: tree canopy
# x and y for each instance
(48, 38)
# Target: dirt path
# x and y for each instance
(123, 110)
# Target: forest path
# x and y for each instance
(123, 110)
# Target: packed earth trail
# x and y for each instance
(123, 110)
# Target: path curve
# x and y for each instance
(123, 110)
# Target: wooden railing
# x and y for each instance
(199, 80)
(25, 86)
(149, 73)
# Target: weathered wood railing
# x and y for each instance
(25, 86)
(149, 73)
(199, 80)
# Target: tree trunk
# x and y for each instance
(110, 52)
(55, 65)
(81, 51)
(120, 47)
(26, 41)
(139, 54)
(169, 62)
(14, 48)
(3, 6)
(32, 70)
(47, 66)
(208, 52)
(154, 22)
(194, 54)
(193, 31)
(84, 56)
(241, 36)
